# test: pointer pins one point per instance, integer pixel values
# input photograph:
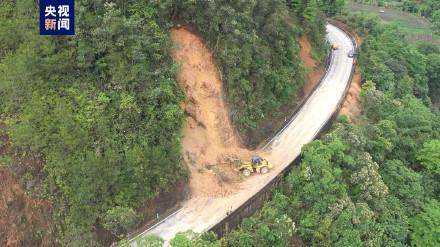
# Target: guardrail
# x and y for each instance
(264, 144)
(257, 200)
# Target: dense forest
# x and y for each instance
(101, 109)
(374, 182)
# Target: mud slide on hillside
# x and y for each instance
(24, 221)
(351, 107)
(352, 103)
(315, 72)
(20, 215)
(276, 119)
(210, 144)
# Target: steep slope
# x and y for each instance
(314, 70)
(210, 142)
(202, 213)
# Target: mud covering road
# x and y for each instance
(203, 212)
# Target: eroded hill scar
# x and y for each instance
(210, 143)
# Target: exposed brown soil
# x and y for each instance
(24, 221)
(210, 143)
(278, 118)
(352, 104)
(314, 72)
(296, 241)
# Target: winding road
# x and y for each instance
(201, 214)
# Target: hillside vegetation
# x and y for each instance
(374, 182)
(101, 109)
(256, 46)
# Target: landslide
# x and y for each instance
(352, 103)
(315, 70)
(351, 107)
(210, 143)
(24, 220)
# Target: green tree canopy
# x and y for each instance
(426, 225)
(429, 155)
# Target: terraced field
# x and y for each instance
(417, 29)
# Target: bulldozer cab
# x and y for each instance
(256, 160)
(256, 164)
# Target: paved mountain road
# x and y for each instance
(200, 214)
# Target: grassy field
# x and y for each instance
(417, 29)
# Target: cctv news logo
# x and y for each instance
(57, 17)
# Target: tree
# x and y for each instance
(429, 155)
(271, 227)
(377, 105)
(367, 183)
(149, 241)
(354, 226)
(394, 221)
(426, 225)
(119, 220)
(405, 184)
(415, 123)
(433, 70)
(314, 187)
(435, 21)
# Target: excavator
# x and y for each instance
(257, 164)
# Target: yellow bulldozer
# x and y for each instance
(257, 164)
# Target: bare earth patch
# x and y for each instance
(314, 72)
(20, 216)
(24, 221)
(352, 104)
(210, 144)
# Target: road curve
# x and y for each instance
(201, 214)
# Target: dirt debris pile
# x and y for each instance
(352, 104)
(314, 70)
(211, 147)
(210, 143)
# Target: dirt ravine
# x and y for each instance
(352, 103)
(315, 72)
(20, 215)
(210, 143)
(25, 220)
